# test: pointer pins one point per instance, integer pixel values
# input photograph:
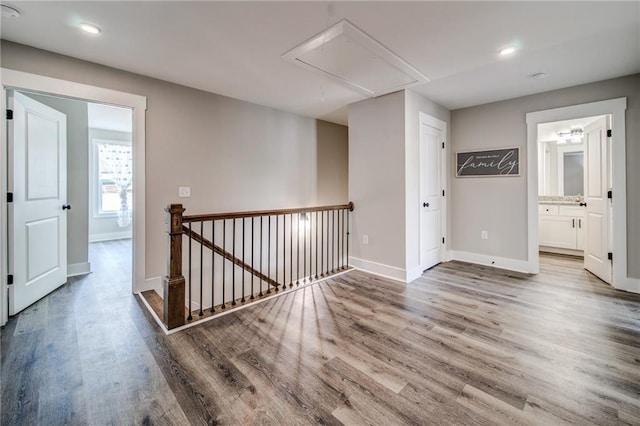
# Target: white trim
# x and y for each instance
(108, 236)
(22, 81)
(617, 108)
(75, 269)
(559, 250)
(493, 261)
(380, 269)
(414, 273)
(154, 283)
(436, 123)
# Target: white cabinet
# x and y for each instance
(561, 226)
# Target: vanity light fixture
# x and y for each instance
(571, 136)
(90, 28)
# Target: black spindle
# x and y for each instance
(233, 265)
(201, 265)
(253, 265)
(322, 244)
(213, 263)
(316, 245)
(243, 260)
(190, 239)
(291, 249)
(261, 234)
(298, 253)
(224, 265)
(277, 238)
(269, 255)
(304, 249)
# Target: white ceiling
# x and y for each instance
(109, 117)
(235, 48)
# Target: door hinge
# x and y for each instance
(443, 192)
(610, 195)
(609, 133)
(9, 197)
(9, 114)
(610, 256)
(10, 279)
(442, 145)
(442, 240)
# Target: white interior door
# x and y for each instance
(37, 160)
(431, 140)
(596, 243)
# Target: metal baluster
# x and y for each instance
(277, 222)
(253, 264)
(233, 265)
(243, 261)
(224, 266)
(284, 252)
(201, 266)
(190, 240)
(342, 237)
(333, 240)
(316, 245)
(261, 234)
(328, 258)
(298, 252)
(322, 244)
(347, 213)
(213, 263)
(291, 249)
(304, 250)
(269, 256)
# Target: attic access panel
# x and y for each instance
(351, 56)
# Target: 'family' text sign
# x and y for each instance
(495, 162)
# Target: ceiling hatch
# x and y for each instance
(351, 56)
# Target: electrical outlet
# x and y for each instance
(365, 240)
(484, 235)
(184, 191)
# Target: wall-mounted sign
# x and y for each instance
(495, 162)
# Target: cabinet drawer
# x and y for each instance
(548, 210)
(575, 211)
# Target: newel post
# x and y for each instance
(173, 314)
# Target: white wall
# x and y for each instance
(377, 184)
(499, 205)
(234, 155)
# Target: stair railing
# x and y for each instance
(249, 255)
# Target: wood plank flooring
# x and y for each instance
(463, 344)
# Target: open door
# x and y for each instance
(37, 160)
(596, 245)
(431, 140)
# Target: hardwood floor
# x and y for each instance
(463, 344)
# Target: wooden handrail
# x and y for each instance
(238, 262)
(239, 215)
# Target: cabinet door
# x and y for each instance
(557, 231)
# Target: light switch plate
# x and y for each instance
(184, 191)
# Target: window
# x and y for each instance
(113, 179)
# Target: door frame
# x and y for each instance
(34, 83)
(436, 123)
(616, 108)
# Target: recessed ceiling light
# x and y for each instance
(10, 11)
(91, 29)
(507, 51)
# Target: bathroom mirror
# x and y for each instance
(560, 169)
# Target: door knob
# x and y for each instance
(425, 204)
(66, 207)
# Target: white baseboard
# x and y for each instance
(380, 269)
(556, 250)
(108, 236)
(153, 283)
(493, 261)
(75, 269)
